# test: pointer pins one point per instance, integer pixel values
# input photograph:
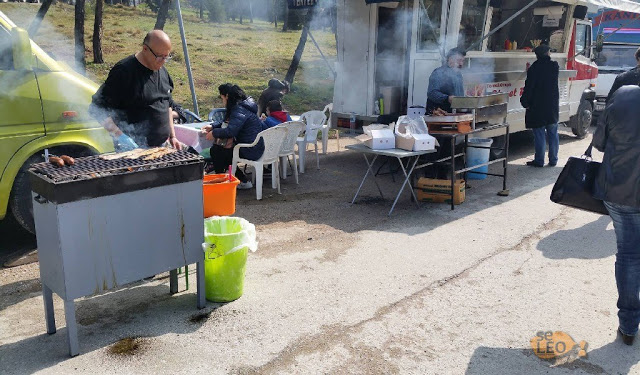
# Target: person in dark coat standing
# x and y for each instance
(243, 127)
(446, 82)
(617, 184)
(541, 98)
(630, 77)
(275, 91)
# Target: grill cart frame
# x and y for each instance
(99, 227)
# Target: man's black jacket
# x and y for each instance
(630, 77)
(541, 97)
(618, 136)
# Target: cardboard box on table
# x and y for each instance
(378, 137)
(439, 191)
(411, 134)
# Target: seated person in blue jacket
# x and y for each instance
(275, 115)
(243, 127)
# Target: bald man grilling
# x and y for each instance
(134, 103)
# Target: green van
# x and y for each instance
(43, 106)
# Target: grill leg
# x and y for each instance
(200, 282)
(49, 315)
(173, 281)
(72, 328)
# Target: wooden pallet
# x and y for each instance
(449, 127)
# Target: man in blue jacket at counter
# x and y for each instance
(446, 82)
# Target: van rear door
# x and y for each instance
(21, 118)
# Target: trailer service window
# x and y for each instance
(544, 22)
(472, 24)
(429, 29)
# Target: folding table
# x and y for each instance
(399, 154)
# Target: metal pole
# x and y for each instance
(186, 59)
(500, 26)
(321, 54)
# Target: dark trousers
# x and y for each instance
(626, 224)
(222, 158)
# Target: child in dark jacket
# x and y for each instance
(275, 115)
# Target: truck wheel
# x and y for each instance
(20, 198)
(498, 141)
(581, 122)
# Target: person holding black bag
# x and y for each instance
(618, 185)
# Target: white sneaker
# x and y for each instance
(245, 185)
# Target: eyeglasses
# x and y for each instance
(159, 58)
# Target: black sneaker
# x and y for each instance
(626, 339)
(534, 164)
(552, 164)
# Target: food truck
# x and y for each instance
(387, 50)
(620, 36)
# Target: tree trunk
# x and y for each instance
(201, 9)
(163, 12)
(297, 56)
(251, 11)
(35, 24)
(97, 33)
(285, 22)
(78, 34)
(275, 13)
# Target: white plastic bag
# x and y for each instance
(226, 234)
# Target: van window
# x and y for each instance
(6, 52)
(429, 24)
(544, 22)
(583, 40)
(472, 23)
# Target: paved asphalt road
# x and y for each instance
(335, 288)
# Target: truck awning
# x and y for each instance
(623, 5)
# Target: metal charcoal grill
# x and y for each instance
(491, 109)
(92, 176)
(101, 224)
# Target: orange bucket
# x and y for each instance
(219, 197)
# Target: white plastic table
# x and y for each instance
(399, 154)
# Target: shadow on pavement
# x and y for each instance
(577, 243)
(14, 240)
(612, 358)
(16, 292)
(323, 197)
(105, 319)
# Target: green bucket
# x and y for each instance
(227, 243)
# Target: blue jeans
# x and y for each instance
(626, 223)
(542, 135)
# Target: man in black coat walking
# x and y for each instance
(541, 98)
(631, 77)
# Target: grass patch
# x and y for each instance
(248, 54)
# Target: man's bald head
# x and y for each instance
(156, 47)
(157, 36)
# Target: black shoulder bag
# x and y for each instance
(574, 187)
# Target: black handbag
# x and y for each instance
(574, 187)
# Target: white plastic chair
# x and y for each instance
(294, 128)
(325, 129)
(315, 120)
(273, 138)
(217, 114)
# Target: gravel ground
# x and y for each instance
(335, 288)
